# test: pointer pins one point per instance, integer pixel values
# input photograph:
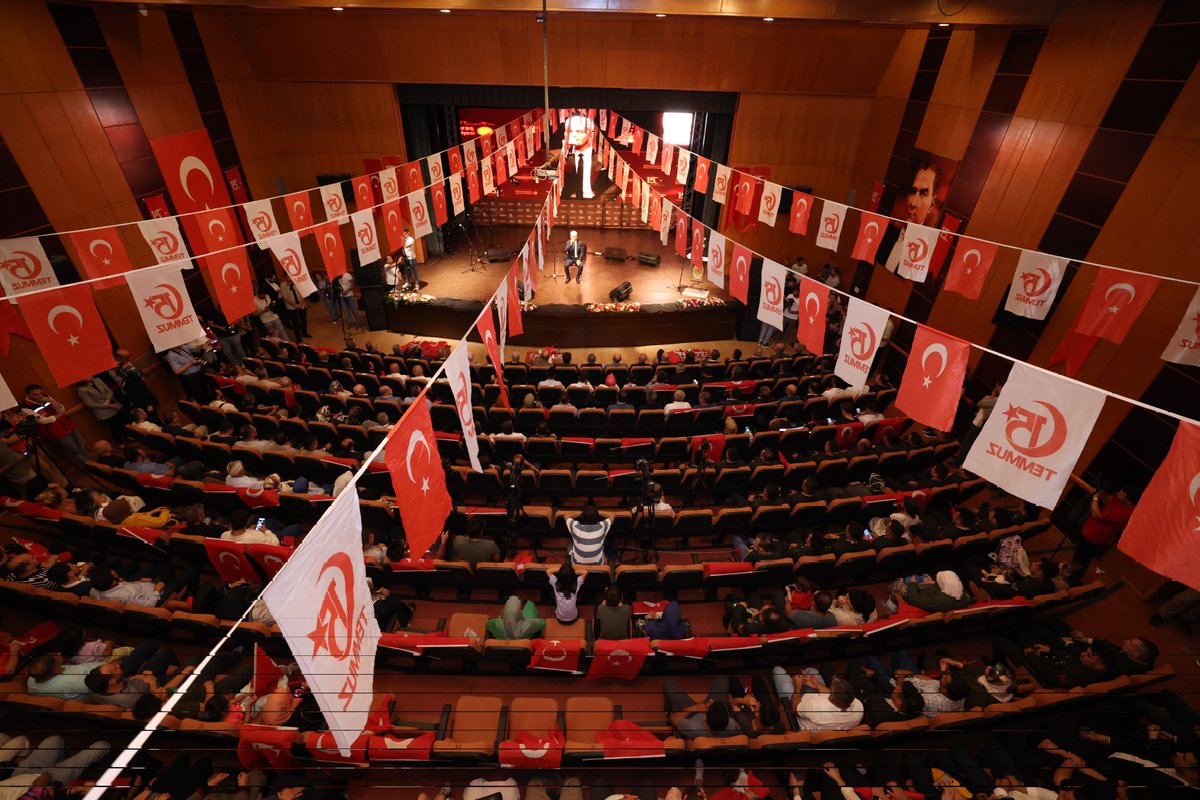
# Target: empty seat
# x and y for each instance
(474, 733)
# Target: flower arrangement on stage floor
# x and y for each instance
(527, 306)
(614, 308)
(700, 302)
(410, 298)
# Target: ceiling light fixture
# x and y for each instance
(444, 10)
(943, 24)
(768, 19)
(338, 8)
(660, 16)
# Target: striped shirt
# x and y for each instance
(587, 541)
(935, 701)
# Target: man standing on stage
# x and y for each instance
(411, 281)
(576, 256)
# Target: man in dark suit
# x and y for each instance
(576, 256)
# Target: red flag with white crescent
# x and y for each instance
(870, 234)
(933, 378)
(814, 304)
(739, 272)
(487, 332)
(969, 267)
(230, 275)
(266, 747)
(413, 180)
(798, 217)
(270, 557)
(681, 235)
(1116, 301)
(322, 747)
(1161, 534)
(697, 245)
(515, 328)
(299, 210)
(556, 655)
(364, 192)
(393, 223)
(190, 170)
(333, 249)
(438, 191)
(618, 658)
(229, 559)
(474, 191)
(454, 156)
(69, 332)
(700, 182)
(394, 747)
(743, 193)
(626, 739)
(529, 751)
(266, 672)
(418, 479)
(101, 253)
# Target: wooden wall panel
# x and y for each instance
(962, 85)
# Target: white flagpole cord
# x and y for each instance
(109, 777)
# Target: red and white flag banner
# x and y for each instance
(515, 328)
(324, 609)
(1184, 347)
(414, 181)
(100, 252)
(529, 751)
(802, 203)
(489, 180)
(333, 250)
(916, 249)
(1034, 284)
(814, 306)
(418, 478)
(1034, 436)
(682, 163)
(744, 189)
(418, 212)
(470, 155)
(230, 274)
(830, 224)
(700, 182)
(861, 333)
(618, 658)
(364, 193)
(458, 374)
(458, 203)
(393, 223)
(1161, 534)
(770, 296)
(190, 170)
(389, 184)
(870, 233)
(487, 332)
(218, 230)
(365, 237)
(333, 201)
(166, 309)
(697, 249)
(716, 259)
(69, 332)
(933, 378)
(651, 149)
(260, 218)
(299, 210)
(230, 561)
(969, 267)
(668, 157)
(165, 240)
(739, 273)
(664, 220)
(290, 255)
(768, 204)
(1116, 301)
(557, 655)
(437, 173)
(721, 185)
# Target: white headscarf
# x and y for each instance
(949, 583)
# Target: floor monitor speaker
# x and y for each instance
(649, 259)
(496, 254)
(614, 254)
(621, 293)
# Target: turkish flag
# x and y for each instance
(412, 177)
(101, 253)
(299, 210)
(681, 235)
(798, 218)
(156, 206)
(739, 272)
(69, 331)
(218, 230)
(700, 183)
(487, 332)
(814, 305)
(364, 192)
(933, 378)
(417, 477)
(271, 557)
(626, 739)
(438, 190)
(697, 244)
(557, 655)
(655, 210)
(392, 747)
(237, 184)
(950, 226)
(529, 751)
(266, 672)
(969, 267)
(1161, 534)
(37, 635)
(333, 249)
(258, 498)
(870, 233)
(229, 559)
(454, 156)
(515, 328)
(743, 193)
(190, 169)
(393, 223)
(322, 747)
(473, 190)
(1116, 300)
(266, 747)
(618, 658)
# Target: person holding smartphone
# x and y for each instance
(54, 424)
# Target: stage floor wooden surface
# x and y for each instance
(451, 276)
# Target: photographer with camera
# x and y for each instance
(54, 425)
(1108, 516)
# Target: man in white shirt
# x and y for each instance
(550, 381)
(409, 262)
(820, 707)
(235, 475)
(250, 439)
(349, 304)
(257, 533)
(391, 272)
(678, 403)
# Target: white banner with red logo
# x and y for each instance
(768, 204)
(334, 201)
(389, 184)
(916, 249)
(260, 218)
(418, 212)
(1184, 347)
(162, 300)
(457, 202)
(287, 251)
(861, 333)
(1034, 436)
(770, 296)
(458, 373)
(721, 184)
(664, 221)
(164, 239)
(1034, 284)
(324, 610)
(25, 267)
(365, 237)
(830, 224)
(716, 259)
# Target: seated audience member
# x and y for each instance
(855, 607)
(235, 475)
(24, 568)
(744, 619)
(516, 621)
(712, 717)
(103, 453)
(884, 699)
(474, 546)
(817, 616)
(564, 584)
(678, 403)
(507, 432)
(761, 547)
(251, 439)
(1061, 658)
(613, 615)
(124, 682)
(248, 528)
(1004, 584)
(49, 676)
(819, 707)
(588, 536)
(106, 585)
(667, 624)
(944, 593)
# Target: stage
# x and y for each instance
(560, 317)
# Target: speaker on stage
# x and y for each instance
(374, 304)
(369, 274)
(649, 259)
(497, 254)
(621, 293)
(614, 254)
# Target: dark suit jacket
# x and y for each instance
(576, 251)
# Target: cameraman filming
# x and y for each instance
(54, 425)
(1109, 513)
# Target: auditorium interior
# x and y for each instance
(599, 399)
